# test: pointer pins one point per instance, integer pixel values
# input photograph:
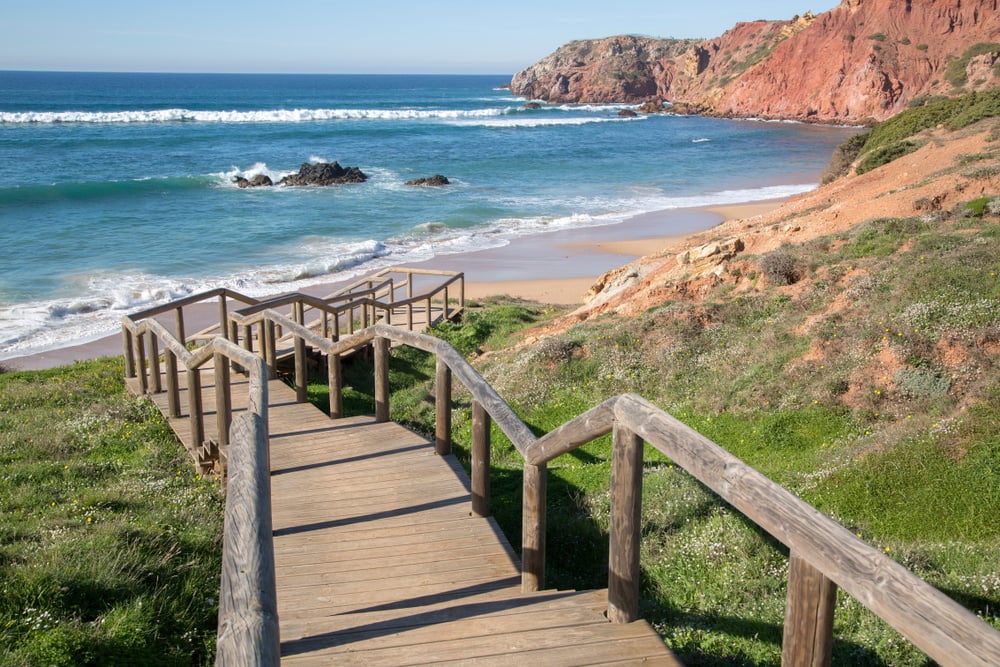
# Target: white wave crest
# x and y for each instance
(233, 116)
(531, 121)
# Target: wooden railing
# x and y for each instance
(823, 554)
(248, 609)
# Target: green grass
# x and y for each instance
(110, 545)
(785, 382)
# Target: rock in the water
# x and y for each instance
(436, 180)
(531, 105)
(627, 113)
(324, 173)
(260, 180)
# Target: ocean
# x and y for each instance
(117, 192)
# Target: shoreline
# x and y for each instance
(555, 267)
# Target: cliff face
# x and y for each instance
(865, 59)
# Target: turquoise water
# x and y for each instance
(116, 190)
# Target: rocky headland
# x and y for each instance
(862, 61)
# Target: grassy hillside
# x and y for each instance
(109, 544)
(869, 387)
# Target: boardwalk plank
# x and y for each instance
(379, 560)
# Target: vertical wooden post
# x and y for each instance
(334, 379)
(270, 349)
(480, 460)
(223, 399)
(173, 390)
(461, 292)
(381, 346)
(154, 364)
(248, 632)
(179, 317)
(248, 338)
(129, 352)
(442, 408)
(430, 320)
(409, 284)
(336, 327)
(234, 336)
(301, 390)
(223, 317)
(626, 506)
(195, 411)
(444, 316)
(808, 640)
(533, 528)
(140, 361)
(409, 316)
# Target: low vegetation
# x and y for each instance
(109, 544)
(869, 387)
(896, 137)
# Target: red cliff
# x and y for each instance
(863, 60)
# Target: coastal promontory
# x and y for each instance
(863, 61)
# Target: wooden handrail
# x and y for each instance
(823, 554)
(946, 631)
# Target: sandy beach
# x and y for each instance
(557, 267)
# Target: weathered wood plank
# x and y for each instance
(374, 537)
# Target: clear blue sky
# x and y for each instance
(381, 36)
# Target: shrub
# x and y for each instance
(877, 36)
(921, 47)
(885, 155)
(922, 382)
(978, 206)
(843, 157)
(780, 268)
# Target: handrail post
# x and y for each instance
(430, 321)
(173, 390)
(223, 317)
(444, 316)
(248, 338)
(248, 628)
(270, 348)
(335, 381)
(381, 345)
(129, 352)
(461, 292)
(409, 316)
(301, 388)
(480, 460)
(626, 506)
(140, 360)
(808, 639)
(223, 399)
(195, 408)
(533, 528)
(154, 364)
(442, 408)
(409, 284)
(234, 336)
(179, 322)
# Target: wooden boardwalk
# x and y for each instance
(380, 560)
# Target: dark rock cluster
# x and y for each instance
(321, 173)
(436, 180)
